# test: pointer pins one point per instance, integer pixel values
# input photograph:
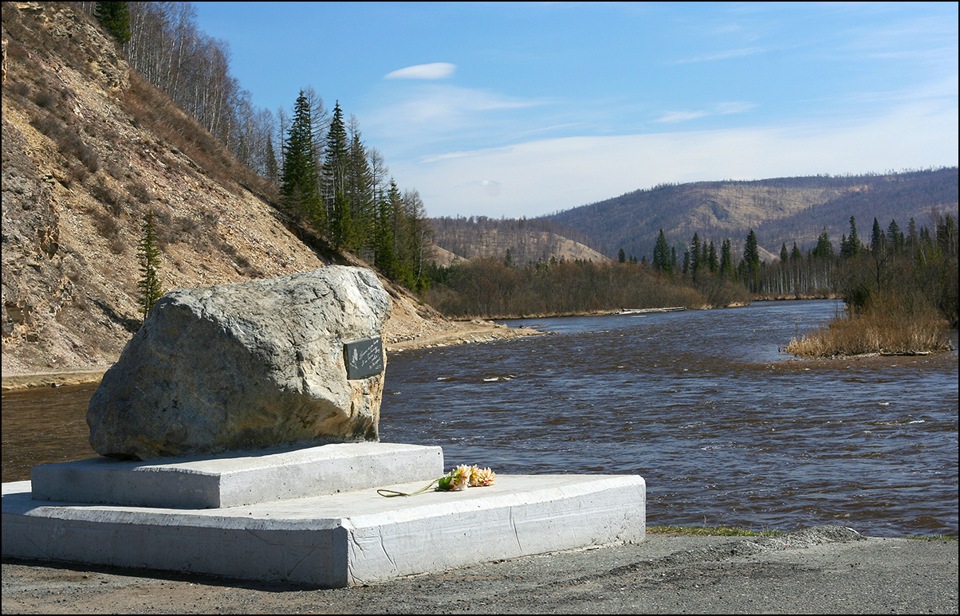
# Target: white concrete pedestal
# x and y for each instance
(334, 539)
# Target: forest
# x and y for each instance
(917, 263)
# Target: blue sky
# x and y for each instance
(524, 109)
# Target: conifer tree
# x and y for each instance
(115, 17)
(695, 261)
(417, 238)
(795, 254)
(361, 196)
(895, 237)
(386, 256)
(661, 254)
(878, 240)
(850, 246)
(298, 183)
(726, 259)
(148, 254)
(824, 247)
(750, 264)
(712, 260)
(333, 186)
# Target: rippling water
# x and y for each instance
(725, 429)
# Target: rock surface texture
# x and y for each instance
(245, 366)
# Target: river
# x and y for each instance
(725, 428)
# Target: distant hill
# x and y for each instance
(780, 211)
(526, 241)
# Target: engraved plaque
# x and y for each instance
(364, 358)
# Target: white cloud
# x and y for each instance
(434, 70)
(723, 55)
(672, 117)
(429, 113)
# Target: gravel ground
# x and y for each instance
(822, 570)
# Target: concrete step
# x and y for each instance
(236, 478)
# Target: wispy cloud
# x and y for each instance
(723, 55)
(424, 113)
(432, 71)
(673, 117)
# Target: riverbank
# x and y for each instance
(821, 570)
(436, 335)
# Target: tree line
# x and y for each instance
(919, 264)
(917, 261)
(334, 182)
(323, 173)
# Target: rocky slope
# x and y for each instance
(88, 149)
(524, 241)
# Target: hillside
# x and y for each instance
(88, 148)
(781, 210)
(523, 240)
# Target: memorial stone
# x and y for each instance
(246, 366)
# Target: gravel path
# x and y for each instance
(821, 570)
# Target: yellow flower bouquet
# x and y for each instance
(460, 478)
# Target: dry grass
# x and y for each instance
(891, 325)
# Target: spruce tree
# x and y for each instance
(895, 237)
(661, 254)
(333, 186)
(824, 247)
(298, 182)
(115, 17)
(361, 197)
(695, 261)
(750, 264)
(726, 259)
(417, 239)
(795, 254)
(878, 239)
(850, 246)
(148, 254)
(386, 256)
(712, 260)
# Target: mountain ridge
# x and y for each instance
(779, 210)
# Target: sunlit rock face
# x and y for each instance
(248, 366)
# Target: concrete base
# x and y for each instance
(335, 540)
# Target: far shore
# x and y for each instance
(463, 332)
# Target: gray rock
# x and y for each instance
(245, 366)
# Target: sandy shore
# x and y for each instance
(822, 570)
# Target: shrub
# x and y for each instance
(888, 324)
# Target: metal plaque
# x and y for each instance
(364, 358)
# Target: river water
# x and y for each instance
(725, 429)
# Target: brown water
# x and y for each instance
(725, 429)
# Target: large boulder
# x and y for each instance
(248, 366)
